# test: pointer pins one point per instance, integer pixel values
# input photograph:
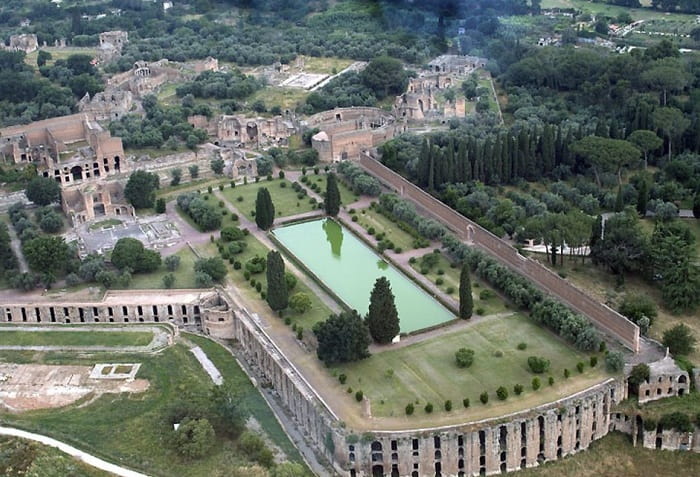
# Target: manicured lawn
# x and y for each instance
(614, 455)
(369, 217)
(325, 65)
(491, 304)
(347, 195)
(132, 430)
(184, 275)
(285, 199)
(318, 312)
(74, 338)
(105, 224)
(426, 371)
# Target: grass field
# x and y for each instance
(59, 54)
(132, 430)
(491, 303)
(426, 371)
(325, 65)
(28, 458)
(369, 217)
(613, 10)
(74, 338)
(347, 196)
(614, 455)
(285, 199)
(601, 285)
(318, 312)
(184, 275)
(285, 98)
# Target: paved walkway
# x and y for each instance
(71, 451)
(208, 366)
(188, 234)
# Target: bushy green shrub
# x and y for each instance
(359, 395)
(518, 389)
(567, 373)
(579, 366)
(484, 397)
(465, 402)
(464, 357)
(550, 380)
(522, 346)
(538, 365)
(502, 393)
(448, 405)
(536, 383)
(409, 409)
(429, 408)
(593, 361)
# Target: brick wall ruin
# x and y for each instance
(601, 315)
(345, 132)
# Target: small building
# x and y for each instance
(666, 379)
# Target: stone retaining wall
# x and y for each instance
(601, 315)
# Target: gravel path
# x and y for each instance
(208, 366)
(71, 451)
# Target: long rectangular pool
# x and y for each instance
(349, 267)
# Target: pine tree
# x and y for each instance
(332, 200)
(382, 318)
(264, 209)
(466, 302)
(277, 293)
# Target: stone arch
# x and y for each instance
(76, 173)
(378, 470)
(420, 105)
(682, 379)
(376, 446)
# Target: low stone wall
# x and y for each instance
(601, 315)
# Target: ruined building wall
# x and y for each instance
(602, 316)
(521, 440)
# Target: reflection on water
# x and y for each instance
(382, 265)
(334, 235)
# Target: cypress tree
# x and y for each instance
(596, 232)
(277, 293)
(466, 302)
(382, 318)
(643, 198)
(424, 163)
(696, 205)
(332, 200)
(619, 203)
(264, 209)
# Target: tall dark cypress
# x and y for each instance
(462, 163)
(643, 198)
(264, 209)
(277, 293)
(466, 302)
(382, 318)
(424, 164)
(332, 199)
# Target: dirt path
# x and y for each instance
(71, 451)
(16, 246)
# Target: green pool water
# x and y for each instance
(349, 268)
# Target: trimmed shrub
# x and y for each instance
(409, 409)
(465, 402)
(450, 290)
(429, 408)
(567, 373)
(502, 393)
(448, 405)
(537, 364)
(439, 281)
(359, 395)
(464, 357)
(550, 380)
(579, 366)
(498, 353)
(594, 361)
(518, 389)
(536, 383)
(484, 397)
(522, 346)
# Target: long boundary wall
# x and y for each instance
(602, 316)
